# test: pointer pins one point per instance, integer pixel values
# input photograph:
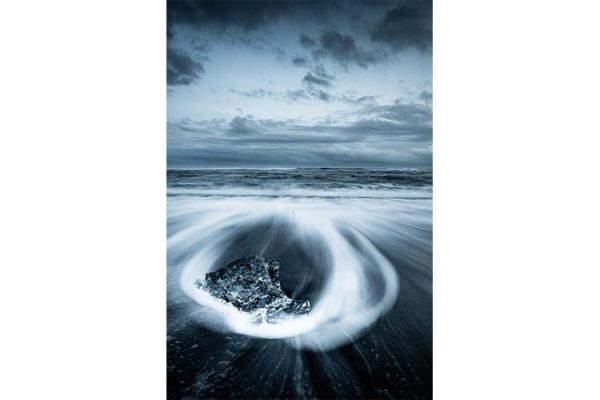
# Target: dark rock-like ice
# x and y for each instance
(252, 285)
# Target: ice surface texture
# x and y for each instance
(252, 285)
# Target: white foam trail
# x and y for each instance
(361, 285)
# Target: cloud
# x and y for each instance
(408, 114)
(249, 16)
(242, 126)
(363, 99)
(358, 101)
(254, 94)
(246, 15)
(425, 95)
(296, 95)
(396, 134)
(371, 120)
(248, 125)
(322, 73)
(321, 94)
(181, 68)
(303, 150)
(405, 26)
(358, 126)
(312, 90)
(299, 61)
(344, 50)
(315, 91)
(307, 41)
(310, 79)
(315, 83)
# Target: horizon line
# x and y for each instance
(289, 168)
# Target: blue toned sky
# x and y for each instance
(299, 84)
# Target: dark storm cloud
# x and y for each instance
(407, 25)
(307, 41)
(181, 68)
(344, 50)
(359, 125)
(247, 15)
(242, 19)
(251, 15)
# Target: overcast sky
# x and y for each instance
(299, 84)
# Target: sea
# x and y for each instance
(356, 243)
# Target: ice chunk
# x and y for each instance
(252, 285)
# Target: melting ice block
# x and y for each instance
(252, 285)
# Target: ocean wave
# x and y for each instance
(330, 251)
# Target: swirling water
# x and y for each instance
(355, 242)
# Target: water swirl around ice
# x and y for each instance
(326, 240)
